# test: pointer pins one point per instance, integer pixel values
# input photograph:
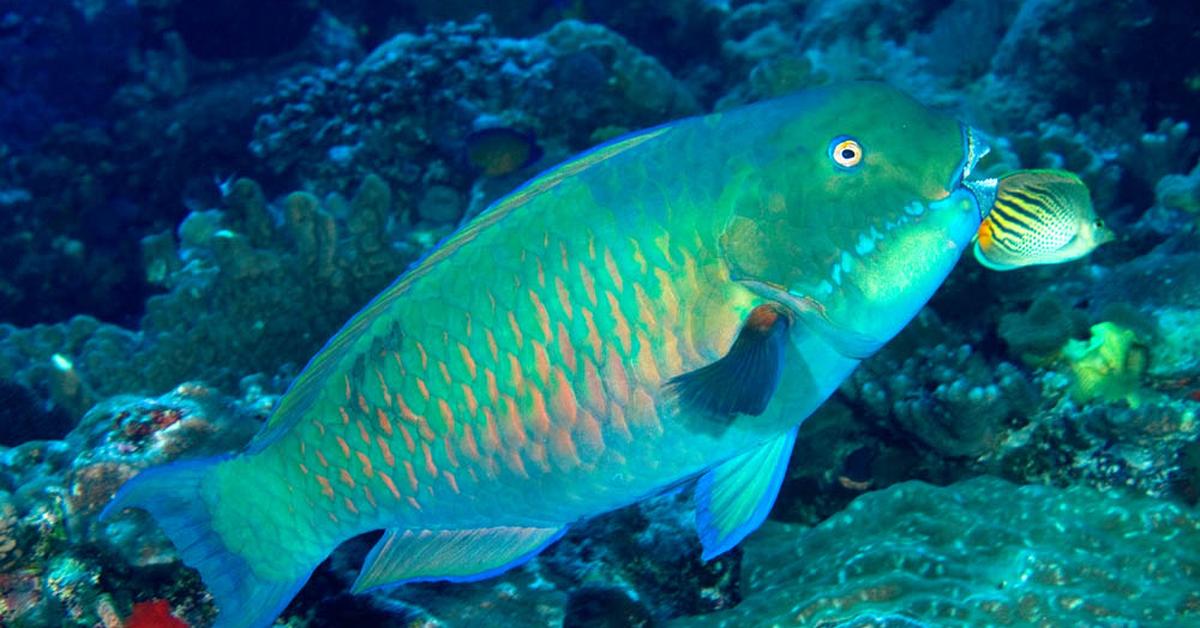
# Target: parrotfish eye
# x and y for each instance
(1099, 224)
(846, 151)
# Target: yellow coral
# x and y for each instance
(1107, 366)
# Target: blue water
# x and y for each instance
(195, 195)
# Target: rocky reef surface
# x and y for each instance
(189, 209)
(979, 552)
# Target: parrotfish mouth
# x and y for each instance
(984, 190)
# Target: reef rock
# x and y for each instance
(979, 552)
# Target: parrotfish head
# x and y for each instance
(856, 211)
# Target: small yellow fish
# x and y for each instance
(1039, 217)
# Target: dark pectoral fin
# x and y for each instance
(742, 381)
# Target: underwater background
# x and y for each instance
(196, 194)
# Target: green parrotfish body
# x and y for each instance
(667, 306)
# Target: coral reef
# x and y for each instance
(60, 62)
(1060, 143)
(1089, 412)
(640, 564)
(1109, 447)
(651, 552)
(123, 435)
(137, 259)
(57, 560)
(1108, 366)
(236, 276)
(1037, 336)
(245, 295)
(1180, 191)
(66, 561)
(404, 111)
(980, 552)
(948, 398)
(1048, 60)
(838, 457)
(134, 132)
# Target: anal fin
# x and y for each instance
(455, 555)
(744, 379)
(733, 499)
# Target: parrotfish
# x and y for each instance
(1039, 217)
(666, 307)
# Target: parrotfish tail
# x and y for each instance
(182, 500)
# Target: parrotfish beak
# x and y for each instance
(975, 146)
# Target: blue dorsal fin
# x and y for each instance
(454, 555)
(733, 499)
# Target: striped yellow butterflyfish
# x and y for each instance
(1039, 217)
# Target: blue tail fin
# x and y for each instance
(180, 497)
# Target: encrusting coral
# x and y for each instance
(1180, 191)
(1108, 366)
(404, 110)
(1038, 334)
(982, 551)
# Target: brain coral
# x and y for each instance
(980, 552)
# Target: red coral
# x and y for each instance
(153, 614)
(147, 420)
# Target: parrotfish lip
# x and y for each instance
(974, 148)
(984, 190)
(985, 194)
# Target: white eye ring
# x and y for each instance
(846, 151)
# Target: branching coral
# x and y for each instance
(1159, 152)
(257, 296)
(948, 399)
